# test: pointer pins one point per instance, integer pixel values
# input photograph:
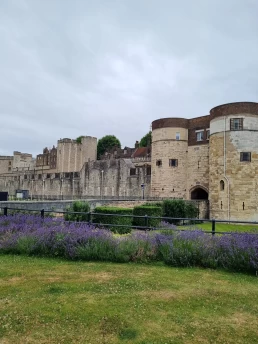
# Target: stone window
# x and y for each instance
(199, 135)
(48, 175)
(222, 185)
(177, 136)
(159, 163)
(32, 176)
(245, 156)
(40, 176)
(57, 175)
(9, 168)
(173, 162)
(236, 123)
(148, 170)
(10, 163)
(132, 171)
(207, 134)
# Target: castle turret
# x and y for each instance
(233, 160)
(169, 157)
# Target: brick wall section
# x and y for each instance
(198, 123)
(234, 108)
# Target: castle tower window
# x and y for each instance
(173, 162)
(236, 123)
(222, 185)
(132, 171)
(159, 163)
(245, 156)
(177, 136)
(199, 135)
(207, 134)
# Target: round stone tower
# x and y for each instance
(169, 157)
(233, 159)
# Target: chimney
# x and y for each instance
(136, 144)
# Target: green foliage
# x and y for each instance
(143, 210)
(79, 139)
(146, 140)
(178, 208)
(105, 143)
(154, 204)
(78, 206)
(114, 220)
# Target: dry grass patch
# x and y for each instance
(55, 301)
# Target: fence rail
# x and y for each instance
(146, 227)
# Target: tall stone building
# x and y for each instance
(212, 157)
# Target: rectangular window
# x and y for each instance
(9, 168)
(173, 162)
(10, 163)
(177, 136)
(132, 171)
(199, 135)
(207, 134)
(159, 163)
(236, 124)
(245, 156)
(40, 176)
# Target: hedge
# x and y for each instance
(78, 206)
(115, 220)
(143, 210)
(178, 208)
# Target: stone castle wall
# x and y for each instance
(167, 180)
(71, 155)
(239, 197)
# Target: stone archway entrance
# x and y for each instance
(199, 193)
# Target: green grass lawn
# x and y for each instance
(54, 301)
(223, 227)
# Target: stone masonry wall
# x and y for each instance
(197, 168)
(168, 181)
(239, 198)
(6, 163)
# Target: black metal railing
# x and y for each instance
(183, 221)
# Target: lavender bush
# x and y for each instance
(29, 234)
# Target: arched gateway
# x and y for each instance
(199, 193)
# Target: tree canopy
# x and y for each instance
(107, 142)
(146, 140)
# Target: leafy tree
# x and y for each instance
(79, 139)
(146, 140)
(107, 142)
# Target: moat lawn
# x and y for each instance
(56, 301)
(224, 227)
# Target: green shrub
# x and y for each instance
(78, 206)
(114, 220)
(143, 210)
(153, 204)
(178, 208)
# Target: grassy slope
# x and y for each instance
(224, 227)
(54, 301)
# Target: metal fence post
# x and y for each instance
(89, 217)
(213, 222)
(146, 222)
(5, 211)
(42, 213)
